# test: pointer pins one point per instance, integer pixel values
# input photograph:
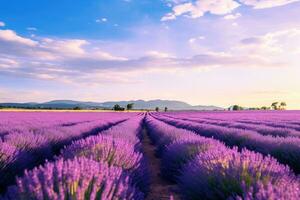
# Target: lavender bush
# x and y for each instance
(80, 178)
(224, 173)
(286, 150)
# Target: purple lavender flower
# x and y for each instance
(39, 136)
(80, 178)
(223, 173)
(182, 151)
(286, 150)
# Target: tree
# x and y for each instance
(237, 107)
(157, 109)
(166, 109)
(274, 105)
(77, 108)
(117, 107)
(129, 106)
(282, 105)
(264, 108)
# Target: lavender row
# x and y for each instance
(259, 128)
(118, 146)
(285, 150)
(105, 166)
(36, 122)
(206, 169)
(272, 124)
(24, 151)
(273, 119)
(80, 178)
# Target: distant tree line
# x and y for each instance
(117, 107)
(157, 109)
(50, 108)
(274, 106)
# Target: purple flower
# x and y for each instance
(80, 178)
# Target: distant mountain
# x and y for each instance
(138, 104)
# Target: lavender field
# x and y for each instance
(251, 155)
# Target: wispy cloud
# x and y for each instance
(232, 16)
(70, 60)
(200, 7)
(102, 20)
(261, 4)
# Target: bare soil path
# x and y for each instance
(160, 189)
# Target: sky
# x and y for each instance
(204, 52)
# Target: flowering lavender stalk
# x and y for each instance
(182, 151)
(286, 150)
(76, 179)
(259, 128)
(217, 172)
(223, 173)
(8, 154)
(101, 148)
(113, 148)
(283, 191)
(163, 135)
(12, 160)
(39, 136)
(129, 130)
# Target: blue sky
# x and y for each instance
(219, 52)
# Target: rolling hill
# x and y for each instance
(138, 104)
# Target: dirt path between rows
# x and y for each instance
(160, 189)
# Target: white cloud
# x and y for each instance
(279, 46)
(102, 20)
(70, 47)
(2, 24)
(11, 36)
(194, 39)
(106, 56)
(157, 54)
(76, 60)
(200, 7)
(168, 16)
(8, 63)
(261, 4)
(232, 16)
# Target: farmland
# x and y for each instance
(155, 155)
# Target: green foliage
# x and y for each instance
(130, 106)
(237, 107)
(274, 105)
(282, 105)
(77, 108)
(265, 108)
(278, 105)
(117, 107)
